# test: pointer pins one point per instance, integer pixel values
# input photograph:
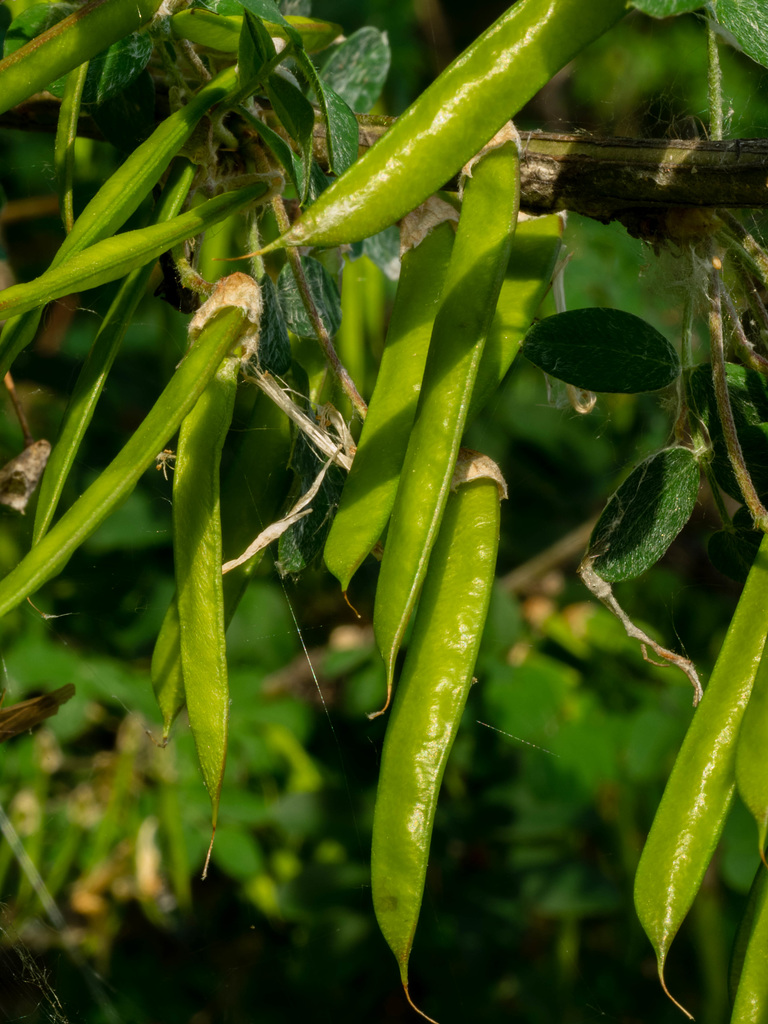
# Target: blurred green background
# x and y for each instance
(568, 736)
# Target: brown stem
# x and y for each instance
(611, 178)
(745, 247)
(323, 337)
(756, 303)
(11, 389)
(724, 409)
(752, 359)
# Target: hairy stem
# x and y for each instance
(746, 350)
(324, 338)
(744, 247)
(725, 412)
(715, 83)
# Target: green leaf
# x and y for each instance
(296, 115)
(325, 296)
(318, 183)
(255, 49)
(748, 392)
(294, 8)
(358, 68)
(302, 543)
(666, 8)
(645, 515)
(747, 21)
(383, 249)
(268, 10)
(732, 552)
(277, 146)
(341, 129)
(108, 72)
(602, 350)
(274, 354)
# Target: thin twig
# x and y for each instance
(746, 350)
(11, 389)
(603, 591)
(724, 409)
(323, 337)
(714, 83)
(194, 59)
(756, 302)
(744, 246)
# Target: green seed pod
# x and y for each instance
(370, 489)
(700, 789)
(473, 281)
(430, 698)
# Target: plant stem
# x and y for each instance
(11, 389)
(324, 338)
(725, 412)
(756, 304)
(744, 246)
(752, 359)
(715, 83)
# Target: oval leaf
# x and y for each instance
(341, 129)
(732, 552)
(747, 21)
(255, 49)
(358, 68)
(304, 540)
(645, 515)
(748, 391)
(268, 10)
(325, 296)
(602, 350)
(274, 354)
(666, 8)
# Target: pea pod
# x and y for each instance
(473, 280)
(700, 789)
(120, 196)
(112, 258)
(370, 488)
(751, 1002)
(116, 482)
(199, 583)
(430, 698)
(528, 276)
(98, 363)
(485, 86)
(253, 489)
(67, 44)
(746, 972)
(751, 776)
(220, 32)
(64, 148)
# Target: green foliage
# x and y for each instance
(603, 350)
(645, 515)
(229, 129)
